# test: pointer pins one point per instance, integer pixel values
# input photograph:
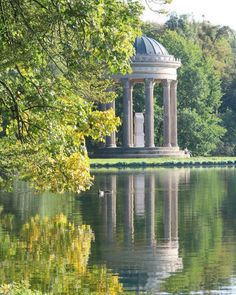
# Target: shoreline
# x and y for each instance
(162, 162)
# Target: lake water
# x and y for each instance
(162, 231)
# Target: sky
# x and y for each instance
(215, 11)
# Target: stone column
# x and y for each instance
(128, 116)
(102, 108)
(104, 218)
(150, 209)
(149, 113)
(111, 140)
(111, 208)
(173, 103)
(167, 118)
(129, 210)
(167, 207)
(131, 118)
(174, 205)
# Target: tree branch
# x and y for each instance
(16, 110)
(40, 4)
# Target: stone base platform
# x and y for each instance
(156, 152)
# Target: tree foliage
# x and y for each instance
(157, 5)
(56, 61)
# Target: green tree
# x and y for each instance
(215, 40)
(57, 58)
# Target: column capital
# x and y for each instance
(166, 82)
(149, 82)
(109, 105)
(174, 83)
(103, 107)
(127, 83)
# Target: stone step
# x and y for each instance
(139, 152)
(138, 156)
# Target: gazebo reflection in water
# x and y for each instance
(141, 251)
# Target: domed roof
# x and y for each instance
(148, 46)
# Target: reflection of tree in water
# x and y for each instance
(52, 254)
(228, 212)
(207, 260)
(24, 202)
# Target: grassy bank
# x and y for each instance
(163, 162)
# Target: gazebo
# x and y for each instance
(152, 64)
